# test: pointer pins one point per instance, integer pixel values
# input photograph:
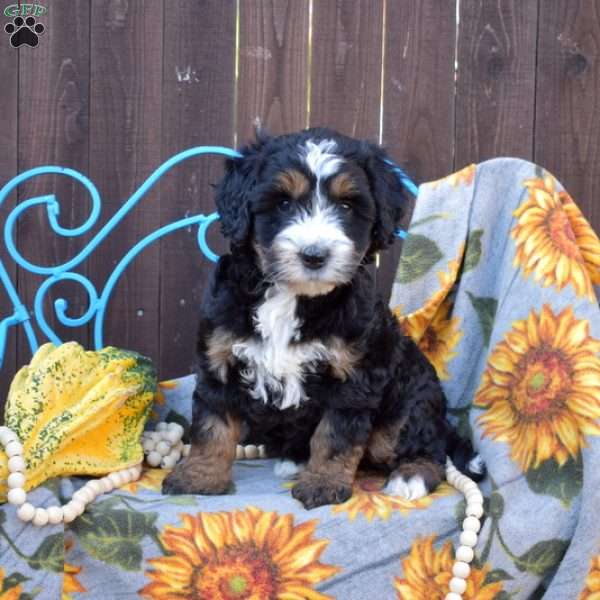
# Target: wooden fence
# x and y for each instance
(117, 86)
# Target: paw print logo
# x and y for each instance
(24, 31)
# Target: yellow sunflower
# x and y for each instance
(592, 582)
(369, 499)
(249, 554)
(428, 572)
(554, 241)
(541, 388)
(463, 177)
(151, 479)
(12, 593)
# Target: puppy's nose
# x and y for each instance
(314, 257)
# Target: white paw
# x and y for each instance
(476, 465)
(287, 469)
(413, 489)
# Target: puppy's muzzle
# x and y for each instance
(314, 257)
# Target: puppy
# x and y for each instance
(295, 348)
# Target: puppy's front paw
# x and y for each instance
(317, 490)
(183, 480)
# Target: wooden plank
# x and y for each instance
(198, 109)
(273, 66)
(495, 99)
(125, 133)
(53, 129)
(346, 66)
(567, 129)
(418, 103)
(9, 67)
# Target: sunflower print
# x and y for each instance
(554, 241)
(541, 388)
(369, 499)
(12, 593)
(151, 479)
(463, 177)
(592, 582)
(249, 554)
(427, 574)
(439, 338)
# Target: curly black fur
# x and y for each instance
(389, 383)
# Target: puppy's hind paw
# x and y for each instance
(317, 491)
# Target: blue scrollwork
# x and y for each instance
(97, 302)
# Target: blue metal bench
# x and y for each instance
(97, 301)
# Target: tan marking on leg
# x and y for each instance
(293, 183)
(218, 351)
(381, 448)
(431, 472)
(207, 469)
(344, 357)
(328, 477)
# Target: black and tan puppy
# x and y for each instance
(295, 348)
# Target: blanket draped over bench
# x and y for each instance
(497, 282)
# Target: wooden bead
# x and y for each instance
(461, 569)
(26, 512)
(471, 524)
(116, 479)
(186, 450)
(106, 484)
(16, 480)
(13, 448)
(69, 512)
(163, 448)
(474, 509)
(453, 596)
(94, 487)
(468, 538)
(16, 496)
(135, 472)
(176, 427)
(55, 515)
(78, 506)
(125, 476)
(84, 495)
(162, 426)
(167, 462)
(465, 554)
(173, 436)
(458, 585)
(262, 451)
(148, 446)
(154, 458)
(239, 452)
(40, 518)
(175, 455)
(16, 464)
(251, 451)
(7, 436)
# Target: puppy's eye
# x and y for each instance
(284, 205)
(346, 206)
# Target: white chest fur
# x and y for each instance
(275, 365)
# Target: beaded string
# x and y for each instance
(164, 448)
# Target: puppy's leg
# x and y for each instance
(207, 468)
(415, 479)
(336, 448)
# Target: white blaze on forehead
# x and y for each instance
(321, 159)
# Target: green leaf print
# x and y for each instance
(50, 555)
(542, 557)
(473, 250)
(486, 311)
(563, 482)
(419, 254)
(12, 581)
(497, 575)
(114, 536)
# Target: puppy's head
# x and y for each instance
(312, 205)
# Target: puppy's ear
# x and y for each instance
(390, 198)
(234, 190)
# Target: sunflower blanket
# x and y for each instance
(496, 284)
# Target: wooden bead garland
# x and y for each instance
(54, 515)
(164, 447)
